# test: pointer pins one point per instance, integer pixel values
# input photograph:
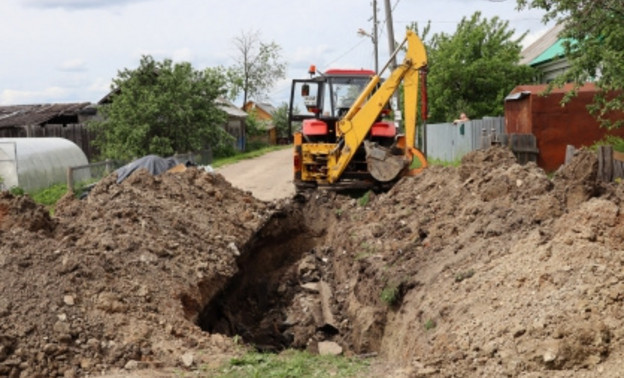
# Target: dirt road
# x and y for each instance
(267, 177)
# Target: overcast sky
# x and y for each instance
(70, 50)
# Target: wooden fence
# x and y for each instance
(610, 162)
(524, 146)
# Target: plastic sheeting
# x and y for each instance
(153, 163)
(36, 163)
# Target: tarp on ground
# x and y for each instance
(153, 163)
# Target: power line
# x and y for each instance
(347, 52)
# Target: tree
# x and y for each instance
(280, 120)
(474, 69)
(258, 65)
(162, 108)
(594, 33)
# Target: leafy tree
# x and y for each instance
(258, 65)
(254, 125)
(280, 120)
(162, 108)
(474, 69)
(594, 48)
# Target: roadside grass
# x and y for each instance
(444, 163)
(219, 162)
(290, 363)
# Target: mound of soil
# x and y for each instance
(489, 269)
(118, 280)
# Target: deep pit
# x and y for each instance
(273, 302)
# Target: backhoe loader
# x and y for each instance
(344, 143)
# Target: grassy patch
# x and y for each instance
(365, 199)
(291, 363)
(430, 324)
(49, 196)
(17, 191)
(391, 294)
(444, 163)
(219, 162)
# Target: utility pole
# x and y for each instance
(375, 40)
(393, 63)
(373, 37)
(390, 32)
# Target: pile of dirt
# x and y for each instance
(488, 269)
(118, 280)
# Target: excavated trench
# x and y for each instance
(272, 301)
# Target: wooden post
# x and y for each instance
(605, 163)
(570, 150)
(70, 179)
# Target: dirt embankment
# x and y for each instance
(488, 269)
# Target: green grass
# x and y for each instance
(444, 163)
(416, 163)
(48, 197)
(390, 295)
(291, 363)
(365, 199)
(430, 324)
(219, 162)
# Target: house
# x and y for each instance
(235, 124)
(529, 111)
(50, 120)
(264, 113)
(547, 55)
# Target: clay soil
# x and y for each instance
(488, 269)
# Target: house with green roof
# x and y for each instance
(547, 55)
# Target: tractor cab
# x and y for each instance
(316, 104)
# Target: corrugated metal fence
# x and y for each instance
(449, 142)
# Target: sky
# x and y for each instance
(60, 51)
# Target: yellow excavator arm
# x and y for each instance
(358, 121)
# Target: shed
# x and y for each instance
(50, 120)
(36, 163)
(528, 111)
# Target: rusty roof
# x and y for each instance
(40, 114)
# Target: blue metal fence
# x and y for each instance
(449, 142)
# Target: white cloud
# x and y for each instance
(182, 55)
(73, 65)
(307, 55)
(10, 97)
(100, 85)
(110, 35)
(79, 4)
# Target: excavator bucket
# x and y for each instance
(382, 164)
